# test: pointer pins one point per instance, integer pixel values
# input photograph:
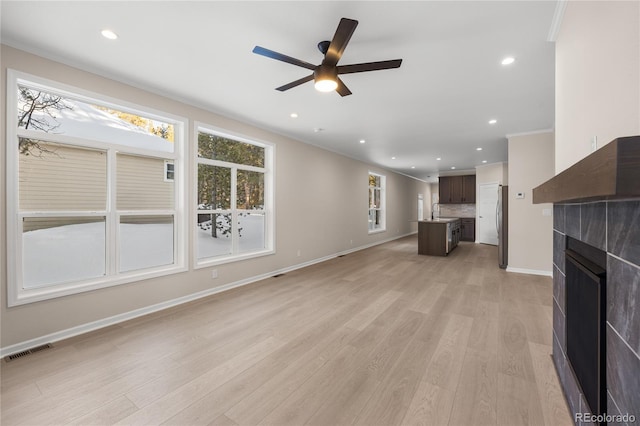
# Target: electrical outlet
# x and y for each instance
(214, 274)
(298, 252)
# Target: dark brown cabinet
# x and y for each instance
(445, 190)
(469, 189)
(457, 189)
(467, 229)
(455, 182)
(438, 237)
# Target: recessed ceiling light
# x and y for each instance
(293, 115)
(317, 129)
(362, 141)
(393, 158)
(478, 149)
(453, 168)
(438, 159)
(109, 34)
(413, 167)
(484, 161)
(493, 121)
(508, 60)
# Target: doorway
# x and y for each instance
(487, 232)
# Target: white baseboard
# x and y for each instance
(105, 322)
(529, 271)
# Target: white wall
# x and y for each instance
(493, 173)
(531, 162)
(321, 210)
(597, 77)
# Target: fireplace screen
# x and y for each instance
(586, 345)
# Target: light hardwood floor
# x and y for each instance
(378, 337)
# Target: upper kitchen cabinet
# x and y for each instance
(444, 188)
(457, 189)
(469, 189)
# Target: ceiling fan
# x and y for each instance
(326, 74)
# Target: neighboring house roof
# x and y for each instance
(88, 122)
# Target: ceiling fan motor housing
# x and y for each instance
(323, 46)
(325, 72)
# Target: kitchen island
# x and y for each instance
(438, 237)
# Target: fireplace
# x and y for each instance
(585, 271)
(597, 201)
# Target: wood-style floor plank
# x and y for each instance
(518, 404)
(476, 395)
(382, 336)
(177, 400)
(551, 400)
(431, 405)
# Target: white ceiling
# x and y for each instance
(437, 104)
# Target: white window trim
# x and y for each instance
(269, 195)
(16, 295)
(383, 202)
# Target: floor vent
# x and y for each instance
(341, 255)
(27, 352)
(278, 275)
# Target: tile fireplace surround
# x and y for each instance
(604, 211)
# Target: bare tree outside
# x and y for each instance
(30, 104)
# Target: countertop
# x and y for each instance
(441, 220)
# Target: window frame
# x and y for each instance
(383, 203)
(16, 293)
(269, 197)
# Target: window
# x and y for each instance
(234, 218)
(168, 171)
(91, 203)
(376, 203)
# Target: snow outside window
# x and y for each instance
(234, 188)
(377, 207)
(90, 200)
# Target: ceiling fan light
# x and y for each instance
(326, 79)
(326, 85)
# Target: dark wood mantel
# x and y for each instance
(611, 172)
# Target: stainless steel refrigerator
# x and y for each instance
(502, 221)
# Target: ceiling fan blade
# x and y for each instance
(342, 89)
(295, 83)
(284, 58)
(341, 38)
(369, 66)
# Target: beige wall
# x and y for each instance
(321, 210)
(597, 76)
(493, 173)
(531, 162)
